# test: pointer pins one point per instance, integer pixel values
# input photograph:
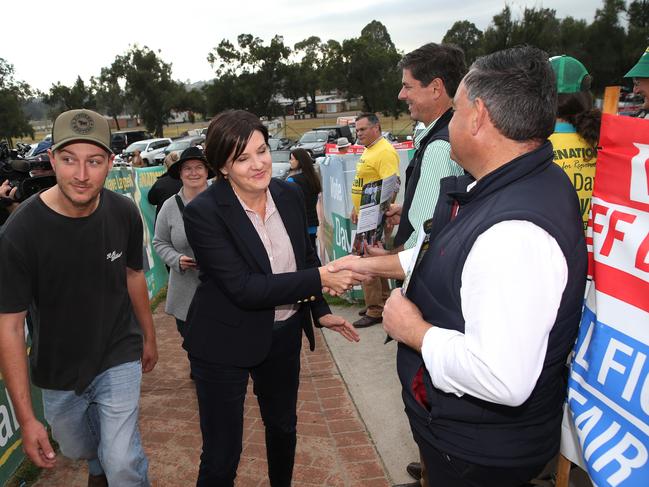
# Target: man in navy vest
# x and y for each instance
(493, 305)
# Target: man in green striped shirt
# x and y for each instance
(430, 77)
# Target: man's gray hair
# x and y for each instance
(518, 88)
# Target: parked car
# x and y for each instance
(279, 143)
(121, 139)
(148, 149)
(314, 142)
(178, 146)
(281, 166)
(337, 131)
(389, 136)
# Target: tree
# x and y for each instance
(467, 36)
(310, 66)
(293, 85)
(62, 98)
(638, 32)
(258, 69)
(333, 69)
(192, 101)
(573, 39)
(148, 84)
(110, 96)
(605, 40)
(13, 94)
(224, 93)
(538, 27)
(371, 69)
(499, 33)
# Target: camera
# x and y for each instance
(18, 172)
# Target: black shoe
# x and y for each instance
(414, 470)
(366, 321)
(362, 312)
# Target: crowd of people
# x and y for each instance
(499, 280)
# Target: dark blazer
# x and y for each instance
(231, 316)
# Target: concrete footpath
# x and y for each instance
(351, 427)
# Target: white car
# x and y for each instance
(148, 149)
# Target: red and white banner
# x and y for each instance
(608, 394)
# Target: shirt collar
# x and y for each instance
(270, 204)
(422, 133)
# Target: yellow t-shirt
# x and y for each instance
(577, 158)
(380, 160)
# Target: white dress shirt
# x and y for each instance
(512, 283)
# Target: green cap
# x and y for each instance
(570, 74)
(641, 68)
(81, 126)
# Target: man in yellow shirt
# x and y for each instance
(379, 161)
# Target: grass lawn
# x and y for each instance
(293, 129)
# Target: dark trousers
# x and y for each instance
(444, 470)
(221, 390)
(181, 327)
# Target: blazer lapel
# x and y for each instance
(291, 218)
(237, 220)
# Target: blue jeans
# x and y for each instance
(101, 425)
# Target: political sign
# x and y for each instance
(608, 392)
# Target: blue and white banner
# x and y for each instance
(608, 393)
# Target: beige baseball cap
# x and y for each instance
(81, 126)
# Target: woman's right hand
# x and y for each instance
(187, 263)
(337, 283)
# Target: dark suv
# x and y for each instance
(122, 139)
(337, 131)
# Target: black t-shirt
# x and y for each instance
(70, 273)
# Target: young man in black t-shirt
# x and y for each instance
(72, 257)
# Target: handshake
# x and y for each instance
(340, 276)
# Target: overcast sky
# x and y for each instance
(49, 41)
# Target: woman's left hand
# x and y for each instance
(341, 325)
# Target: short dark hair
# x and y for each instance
(519, 89)
(228, 134)
(430, 61)
(371, 118)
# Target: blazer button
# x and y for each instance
(312, 298)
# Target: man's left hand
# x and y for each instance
(149, 355)
(403, 321)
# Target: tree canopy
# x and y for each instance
(253, 74)
(13, 95)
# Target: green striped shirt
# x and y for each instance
(435, 165)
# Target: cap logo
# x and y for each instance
(82, 123)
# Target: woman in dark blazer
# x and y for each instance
(260, 285)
